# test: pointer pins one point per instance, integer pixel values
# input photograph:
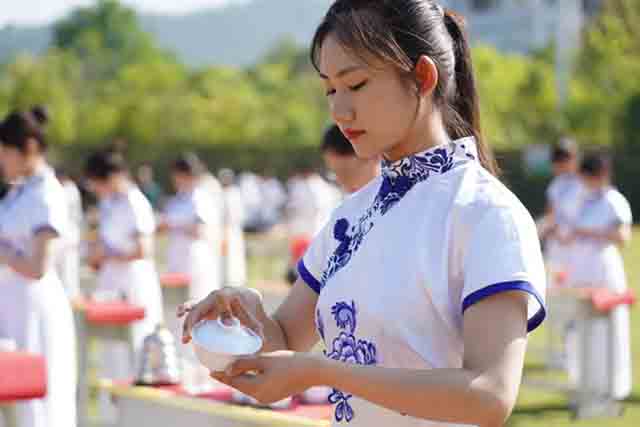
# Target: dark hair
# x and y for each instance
(399, 32)
(102, 164)
(21, 126)
(596, 164)
(334, 140)
(188, 164)
(565, 149)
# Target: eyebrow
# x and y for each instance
(343, 72)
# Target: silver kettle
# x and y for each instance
(158, 361)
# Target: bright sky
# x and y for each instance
(30, 12)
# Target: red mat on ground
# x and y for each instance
(175, 280)
(604, 300)
(24, 376)
(111, 312)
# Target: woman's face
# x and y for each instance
(12, 162)
(102, 188)
(595, 183)
(373, 107)
(182, 181)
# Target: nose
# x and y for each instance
(342, 110)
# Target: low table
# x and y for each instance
(174, 406)
(102, 321)
(24, 377)
(583, 305)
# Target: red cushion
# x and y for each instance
(604, 300)
(298, 246)
(175, 280)
(112, 312)
(24, 376)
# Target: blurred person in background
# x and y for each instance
(187, 218)
(352, 173)
(149, 187)
(274, 197)
(123, 255)
(253, 199)
(34, 310)
(562, 195)
(69, 262)
(602, 225)
(234, 248)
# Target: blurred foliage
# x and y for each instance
(104, 79)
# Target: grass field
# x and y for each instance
(535, 408)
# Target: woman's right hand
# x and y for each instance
(243, 303)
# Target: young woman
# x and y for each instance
(124, 253)
(424, 284)
(187, 217)
(34, 310)
(562, 194)
(603, 223)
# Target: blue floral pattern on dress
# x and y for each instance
(349, 349)
(398, 179)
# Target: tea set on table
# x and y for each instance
(217, 344)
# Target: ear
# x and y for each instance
(426, 75)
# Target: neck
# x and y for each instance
(33, 166)
(120, 184)
(427, 132)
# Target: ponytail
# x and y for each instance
(462, 115)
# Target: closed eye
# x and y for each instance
(330, 92)
(359, 86)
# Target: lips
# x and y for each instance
(353, 134)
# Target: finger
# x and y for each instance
(197, 313)
(223, 305)
(248, 384)
(185, 308)
(244, 365)
(247, 318)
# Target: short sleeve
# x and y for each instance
(621, 209)
(141, 216)
(503, 255)
(49, 214)
(203, 208)
(315, 258)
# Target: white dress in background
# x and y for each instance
(123, 218)
(37, 313)
(213, 189)
(562, 195)
(594, 263)
(235, 261)
(188, 254)
(68, 263)
(402, 259)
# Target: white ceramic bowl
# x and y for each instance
(218, 345)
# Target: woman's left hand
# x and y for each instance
(274, 376)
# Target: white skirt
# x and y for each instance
(38, 316)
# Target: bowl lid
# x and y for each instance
(217, 336)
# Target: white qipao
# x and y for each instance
(123, 218)
(402, 259)
(562, 195)
(596, 263)
(185, 252)
(36, 313)
(68, 263)
(235, 262)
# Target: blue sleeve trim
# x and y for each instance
(519, 285)
(308, 278)
(45, 228)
